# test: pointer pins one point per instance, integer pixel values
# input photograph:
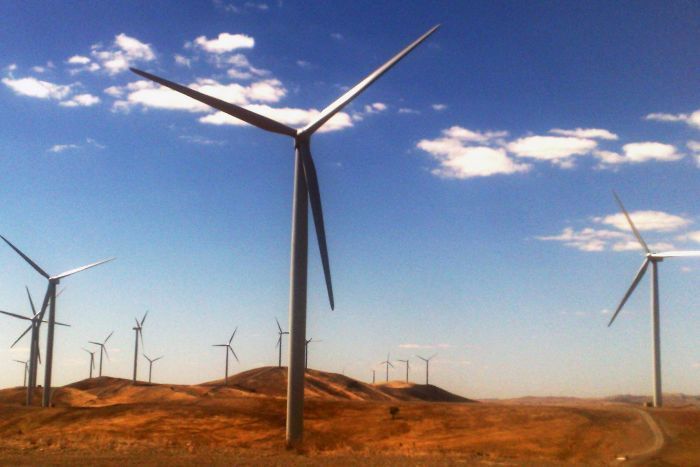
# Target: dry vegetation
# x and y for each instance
(109, 421)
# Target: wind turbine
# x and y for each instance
(103, 348)
(407, 364)
(654, 259)
(374, 376)
(306, 351)
(139, 333)
(26, 371)
(35, 357)
(427, 366)
(228, 347)
(279, 342)
(150, 365)
(388, 364)
(49, 297)
(305, 189)
(92, 360)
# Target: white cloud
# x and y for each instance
(690, 236)
(122, 54)
(588, 239)
(694, 146)
(225, 42)
(375, 107)
(33, 87)
(646, 151)
(458, 159)
(182, 60)
(656, 221)
(81, 100)
(406, 110)
(202, 140)
(78, 60)
(439, 107)
(38, 69)
(586, 133)
(62, 147)
(559, 150)
(337, 36)
(692, 119)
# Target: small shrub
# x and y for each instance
(394, 411)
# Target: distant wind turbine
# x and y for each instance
(26, 370)
(280, 333)
(150, 365)
(306, 351)
(374, 376)
(407, 365)
(92, 359)
(228, 348)
(388, 364)
(305, 189)
(103, 348)
(653, 258)
(138, 329)
(427, 367)
(35, 357)
(49, 297)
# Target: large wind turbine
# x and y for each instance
(279, 342)
(92, 359)
(103, 348)
(407, 365)
(36, 321)
(150, 365)
(305, 189)
(49, 297)
(653, 258)
(138, 329)
(26, 370)
(228, 348)
(427, 367)
(388, 364)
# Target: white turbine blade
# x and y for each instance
(629, 220)
(143, 320)
(156, 359)
(82, 268)
(96, 343)
(636, 280)
(31, 302)
(346, 98)
(58, 294)
(15, 315)
(240, 113)
(234, 353)
(219, 345)
(279, 341)
(61, 324)
(278, 325)
(106, 353)
(27, 259)
(21, 336)
(676, 254)
(232, 335)
(110, 335)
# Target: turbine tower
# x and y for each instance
(388, 364)
(374, 376)
(35, 357)
(228, 348)
(49, 297)
(427, 367)
(306, 351)
(92, 360)
(26, 370)
(407, 365)
(280, 333)
(150, 365)
(103, 348)
(306, 190)
(138, 329)
(654, 259)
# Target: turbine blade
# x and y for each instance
(21, 336)
(15, 315)
(234, 353)
(86, 350)
(106, 353)
(279, 341)
(38, 354)
(317, 211)
(143, 320)
(232, 335)
(82, 268)
(27, 259)
(676, 254)
(345, 99)
(141, 336)
(278, 325)
(96, 343)
(58, 294)
(629, 220)
(156, 359)
(636, 280)
(62, 324)
(110, 335)
(31, 302)
(241, 113)
(219, 345)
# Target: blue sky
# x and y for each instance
(467, 193)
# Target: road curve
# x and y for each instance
(655, 447)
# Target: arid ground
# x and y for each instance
(109, 421)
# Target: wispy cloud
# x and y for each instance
(89, 142)
(692, 119)
(223, 43)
